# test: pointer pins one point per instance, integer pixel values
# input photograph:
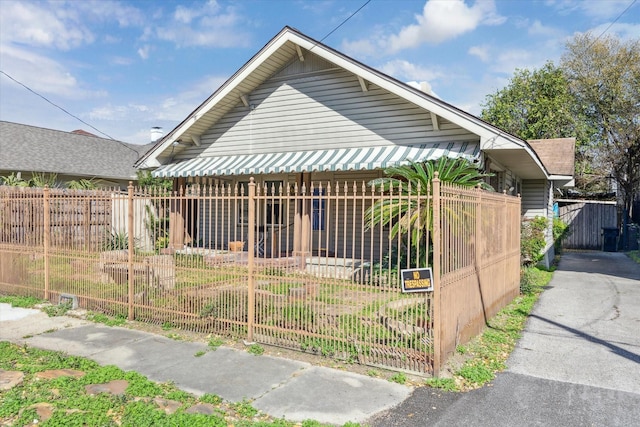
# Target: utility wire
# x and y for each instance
(611, 24)
(345, 21)
(67, 112)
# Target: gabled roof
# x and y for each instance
(26, 148)
(557, 155)
(289, 44)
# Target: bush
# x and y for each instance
(560, 232)
(532, 240)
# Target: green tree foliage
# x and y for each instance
(149, 182)
(603, 74)
(538, 104)
(534, 105)
(409, 214)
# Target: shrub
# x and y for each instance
(532, 239)
(560, 232)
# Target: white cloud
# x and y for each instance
(481, 52)
(539, 29)
(121, 60)
(405, 70)
(510, 60)
(143, 52)
(444, 20)
(360, 48)
(595, 9)
(626, 32)
(204, 25)
(34, 24)
(42, 74)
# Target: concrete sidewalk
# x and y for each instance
(577, 363)
(279, 387)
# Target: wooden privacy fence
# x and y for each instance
(586, 219)
(299, 267)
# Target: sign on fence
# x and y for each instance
(417, 280)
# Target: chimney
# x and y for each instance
(156, 133)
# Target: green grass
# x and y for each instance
(74, 407)
(20, 301)
(634, 255)
(486, 354)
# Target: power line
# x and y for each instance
(345, 21)
(614, 21)
(56, 105)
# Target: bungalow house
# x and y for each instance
(28, 150)
(300, 112)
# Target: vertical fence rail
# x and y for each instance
(47, 238)
(304, 265)
(437, 271)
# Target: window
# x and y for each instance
(318, 210)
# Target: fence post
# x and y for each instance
(437, 323)
(46, 238)
(251, 296)
(130, 247)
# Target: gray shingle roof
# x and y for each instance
(26, 148)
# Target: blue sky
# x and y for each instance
(125, 66)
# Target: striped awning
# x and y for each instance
(342, 159)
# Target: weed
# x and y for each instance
(174, 336)
(211, 398)
(57, 310)
(119, 320)
(20, 301)
(448, 384)
(476, 373)
(245, 409)
(399, 378)
(255, 349)
(373, 373)
(200, 353)
(167, 326)
(215, 343)
(461, 349)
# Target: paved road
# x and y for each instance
(577, 364)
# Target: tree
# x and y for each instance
(407, 212)
(539, 105)
(604, 76)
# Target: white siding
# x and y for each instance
(534, 198)
(321, 110)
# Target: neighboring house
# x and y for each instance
(76, 155)
(300, 111)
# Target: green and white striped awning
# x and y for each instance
(342, 159)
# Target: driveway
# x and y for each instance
(577, 363)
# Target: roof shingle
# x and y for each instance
(25, 148)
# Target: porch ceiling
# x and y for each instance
(319, 160)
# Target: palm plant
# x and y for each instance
(14, 180)
(406, 209)
(43, 179)
(82, 184)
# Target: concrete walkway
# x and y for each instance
(279, 387)
(577, 364)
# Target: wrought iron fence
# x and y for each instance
(307, 268)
